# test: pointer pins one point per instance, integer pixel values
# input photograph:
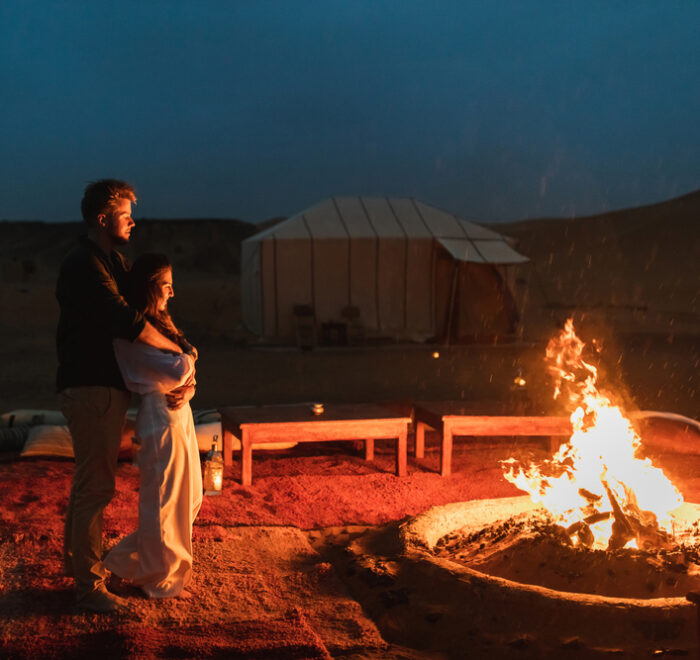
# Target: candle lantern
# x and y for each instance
(519, 394)
(213, 480)
(519, 381)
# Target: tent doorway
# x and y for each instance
(473, 302)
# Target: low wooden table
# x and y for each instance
(451, 418)
(297, 423)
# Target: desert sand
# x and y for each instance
(271, 578)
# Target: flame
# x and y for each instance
(595, 485)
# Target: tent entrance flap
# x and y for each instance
(477, 304)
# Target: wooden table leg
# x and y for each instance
(227, 446)
(246, 458)
(446, 451)
(401, 451)
(369, 449)
(420, 440)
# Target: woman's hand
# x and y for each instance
(178, 397)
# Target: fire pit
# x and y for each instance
(530, 548)
(602, 553)
(553, 617)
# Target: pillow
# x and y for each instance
(206, 433)
(206, 416)
(56, 441)
(46, 440)
(13, 439)
(31, 416)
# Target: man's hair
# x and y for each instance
(101, 196)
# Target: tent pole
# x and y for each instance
(451, 304)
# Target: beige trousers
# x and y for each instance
(95, 418)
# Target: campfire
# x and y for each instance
(597, 488)
(599, 556)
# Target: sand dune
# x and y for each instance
(638, 267)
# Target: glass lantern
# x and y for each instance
(213, 479)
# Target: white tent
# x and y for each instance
(409, 269)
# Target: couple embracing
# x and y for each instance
(114, 337)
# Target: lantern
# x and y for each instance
(213, 480)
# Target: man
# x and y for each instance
(91, 390)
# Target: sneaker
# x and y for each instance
(100, 600)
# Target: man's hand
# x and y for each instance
(180, 395)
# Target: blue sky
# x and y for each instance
(497, 110)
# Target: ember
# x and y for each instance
(595, 487)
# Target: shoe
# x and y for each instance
(100, 600)
(122, 588)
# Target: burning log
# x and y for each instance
(639, 525)
(622, 532)
(593, 502)
(591, 497)
(582, 531)
(597, 517)
(649, 535)
(562, 534)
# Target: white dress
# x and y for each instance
(158, 555)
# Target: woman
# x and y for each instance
(158, 555)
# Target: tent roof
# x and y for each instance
(397, 217)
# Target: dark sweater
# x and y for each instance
(92, 313)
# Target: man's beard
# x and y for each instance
(120, 240)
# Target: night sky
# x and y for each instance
(252, 109)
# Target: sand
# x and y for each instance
(271, 577)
